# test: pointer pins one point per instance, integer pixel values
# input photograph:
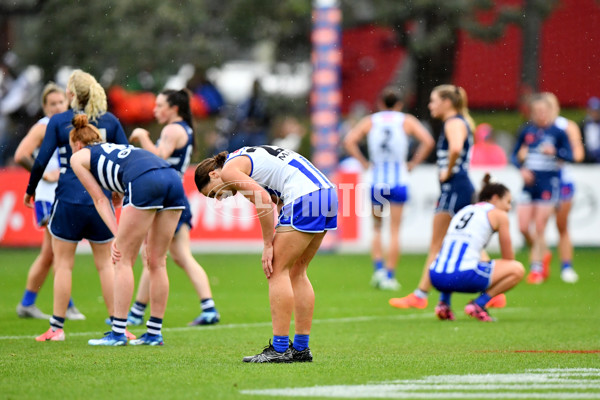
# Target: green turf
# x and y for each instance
(357, 338)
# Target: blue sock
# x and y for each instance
(378, 264)
(28, 298)
(300, 342)
(281, 343)
(566, 264)
(208, 305)
(483, 299)
(70, 303)
(445, 297)
(391, 273)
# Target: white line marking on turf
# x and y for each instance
(251, 325)
(533, 384)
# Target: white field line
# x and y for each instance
(507, 386)
(251, 325)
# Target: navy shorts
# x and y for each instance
(74, 222)
(313, 213)
(43, 211)
(186, 216)
(381, 192)
(159, 189)
(545, 189)
(470, 281)
(455, 194)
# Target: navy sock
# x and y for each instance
(119, 325)
(208, 305)
(300, 342)
(56, 323)
(154, 325)
(445, 297)
(138, 309)
(566, 264)
(483, 299)
(377, 265)
(70, 303)
(281, 343)
(28, 298)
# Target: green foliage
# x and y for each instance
(357, 338)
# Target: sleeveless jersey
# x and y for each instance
(115, 165)
(69, 189)
(388, 148)
(284, 173)
(180, 158)
(468, 234)
(461, 166)
(45, 190)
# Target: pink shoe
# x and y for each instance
(443, 311)
(498, 301)
(54, 336)
(475, 311)
(129, 335)
(410, 301)
(535, 278)
(546, 260)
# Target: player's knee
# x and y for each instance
(518, 270)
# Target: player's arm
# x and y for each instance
(499, 221)
(353, 138)
(80, 163)
(47, 148)
(236, 173)
(31, 141)
(456, 133)
(575, 140)
(414, 127)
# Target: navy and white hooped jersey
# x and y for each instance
(69, 189)
(388, 148)
(282, 172)
(468, 233)
(535, 138)
(115, 165)
(461, 166)
(180, 158)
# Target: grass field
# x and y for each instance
(362, 347)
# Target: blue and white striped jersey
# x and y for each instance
(180, 158)
(461, 165)
(115, 165)
(388, 148)
(282, 172)
(468, 233)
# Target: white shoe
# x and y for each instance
(378, 276)
(31, 312)
(569, 275)
(389, 284)
(74, 314)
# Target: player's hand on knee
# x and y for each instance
(267, 261)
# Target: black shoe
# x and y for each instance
(270, 355)
(301, 356)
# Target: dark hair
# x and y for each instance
(181, 99)
(207, 165)
(83, 131)
(489, 189)
(390, 97)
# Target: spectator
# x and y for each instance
(289, 134)
(252, 121)
(590, 127)
(485, 151)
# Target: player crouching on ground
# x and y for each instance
(462, 265)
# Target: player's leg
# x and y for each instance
(376, 247)
(106, 271)
(541, 215)
(506, 275)
(35, 279)
(525, 216)
(565, 246)
(393, 255)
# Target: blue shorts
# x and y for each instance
(382, 192)
(312, 213)
(43, 211)
(74, 222)
(545, 189)
(455, 194)
(159, 189)
(567, 191)
(470, 281)
(186, 216)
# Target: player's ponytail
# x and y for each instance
(458, 97)
(491, 188)
(201, 176)
(89, 96)
(83, 131)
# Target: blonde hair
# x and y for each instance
(554, 104)
(458, 97)
(50, 88)
(89, 96)
(83, 131)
